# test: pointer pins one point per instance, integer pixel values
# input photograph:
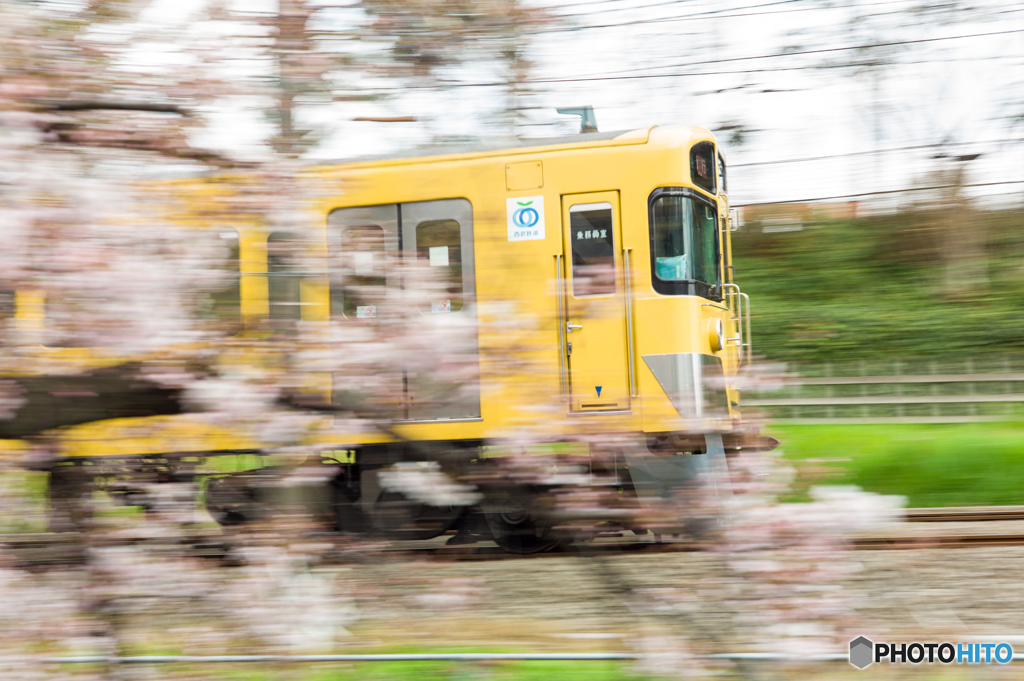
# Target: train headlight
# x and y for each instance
(716, 335)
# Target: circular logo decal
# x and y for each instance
(525, 217)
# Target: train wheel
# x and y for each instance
(69, 489)
(348, 516)
(230, 500)
(399, 517)
(515, 525)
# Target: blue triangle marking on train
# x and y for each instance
(598, 390)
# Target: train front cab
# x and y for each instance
(672, 364)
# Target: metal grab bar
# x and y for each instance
(741, 313)
(561, 319)
(749, 344)
(629, 321)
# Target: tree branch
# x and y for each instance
(97, 105)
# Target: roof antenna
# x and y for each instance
(586, 113)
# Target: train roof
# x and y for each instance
(492, 145)
(441, 152)
(672, 134)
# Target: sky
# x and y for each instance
(778, 68)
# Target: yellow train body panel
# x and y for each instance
(626, 338)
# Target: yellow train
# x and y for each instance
(616, 245)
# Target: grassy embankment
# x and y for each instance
(942, 284)
(891, 287)
(932, 465)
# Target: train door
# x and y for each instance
(363, 241)
(595, 312)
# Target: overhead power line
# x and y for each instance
(612, 9)
(823, 50)
(872, 152)
(648, 76)
(877, 193)
(719, 14)
(771, 69)
(785, 11)
(695, 15)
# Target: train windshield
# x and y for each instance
(683, 240)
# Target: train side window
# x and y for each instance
(702, 165)
(8, 305)
(283, 281)
(225, 303)
(684, 244)
(593, 249)
(439, 243)
(86, 317)
(8, 310)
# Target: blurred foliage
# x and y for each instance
(428, 38)
(932, 465)
(928, 283)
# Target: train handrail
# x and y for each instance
(561, 320)
(629, 321)
(741, 313)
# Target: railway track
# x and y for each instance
(948, 538)
(950, 541)
(41, 549)
(964, 514)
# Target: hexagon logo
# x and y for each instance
(862, 652)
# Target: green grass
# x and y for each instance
(408, 671)
(931, 465)
(597, 670)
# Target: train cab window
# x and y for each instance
(702, 166)
(723, 179)
(439, 243)
(684, 243)
(363, 253)
(283, 281)
(593, 250)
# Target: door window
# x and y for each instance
(593, 249)
(362, 254)
(439, 243)
(360, 242)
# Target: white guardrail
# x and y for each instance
(935, 395)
